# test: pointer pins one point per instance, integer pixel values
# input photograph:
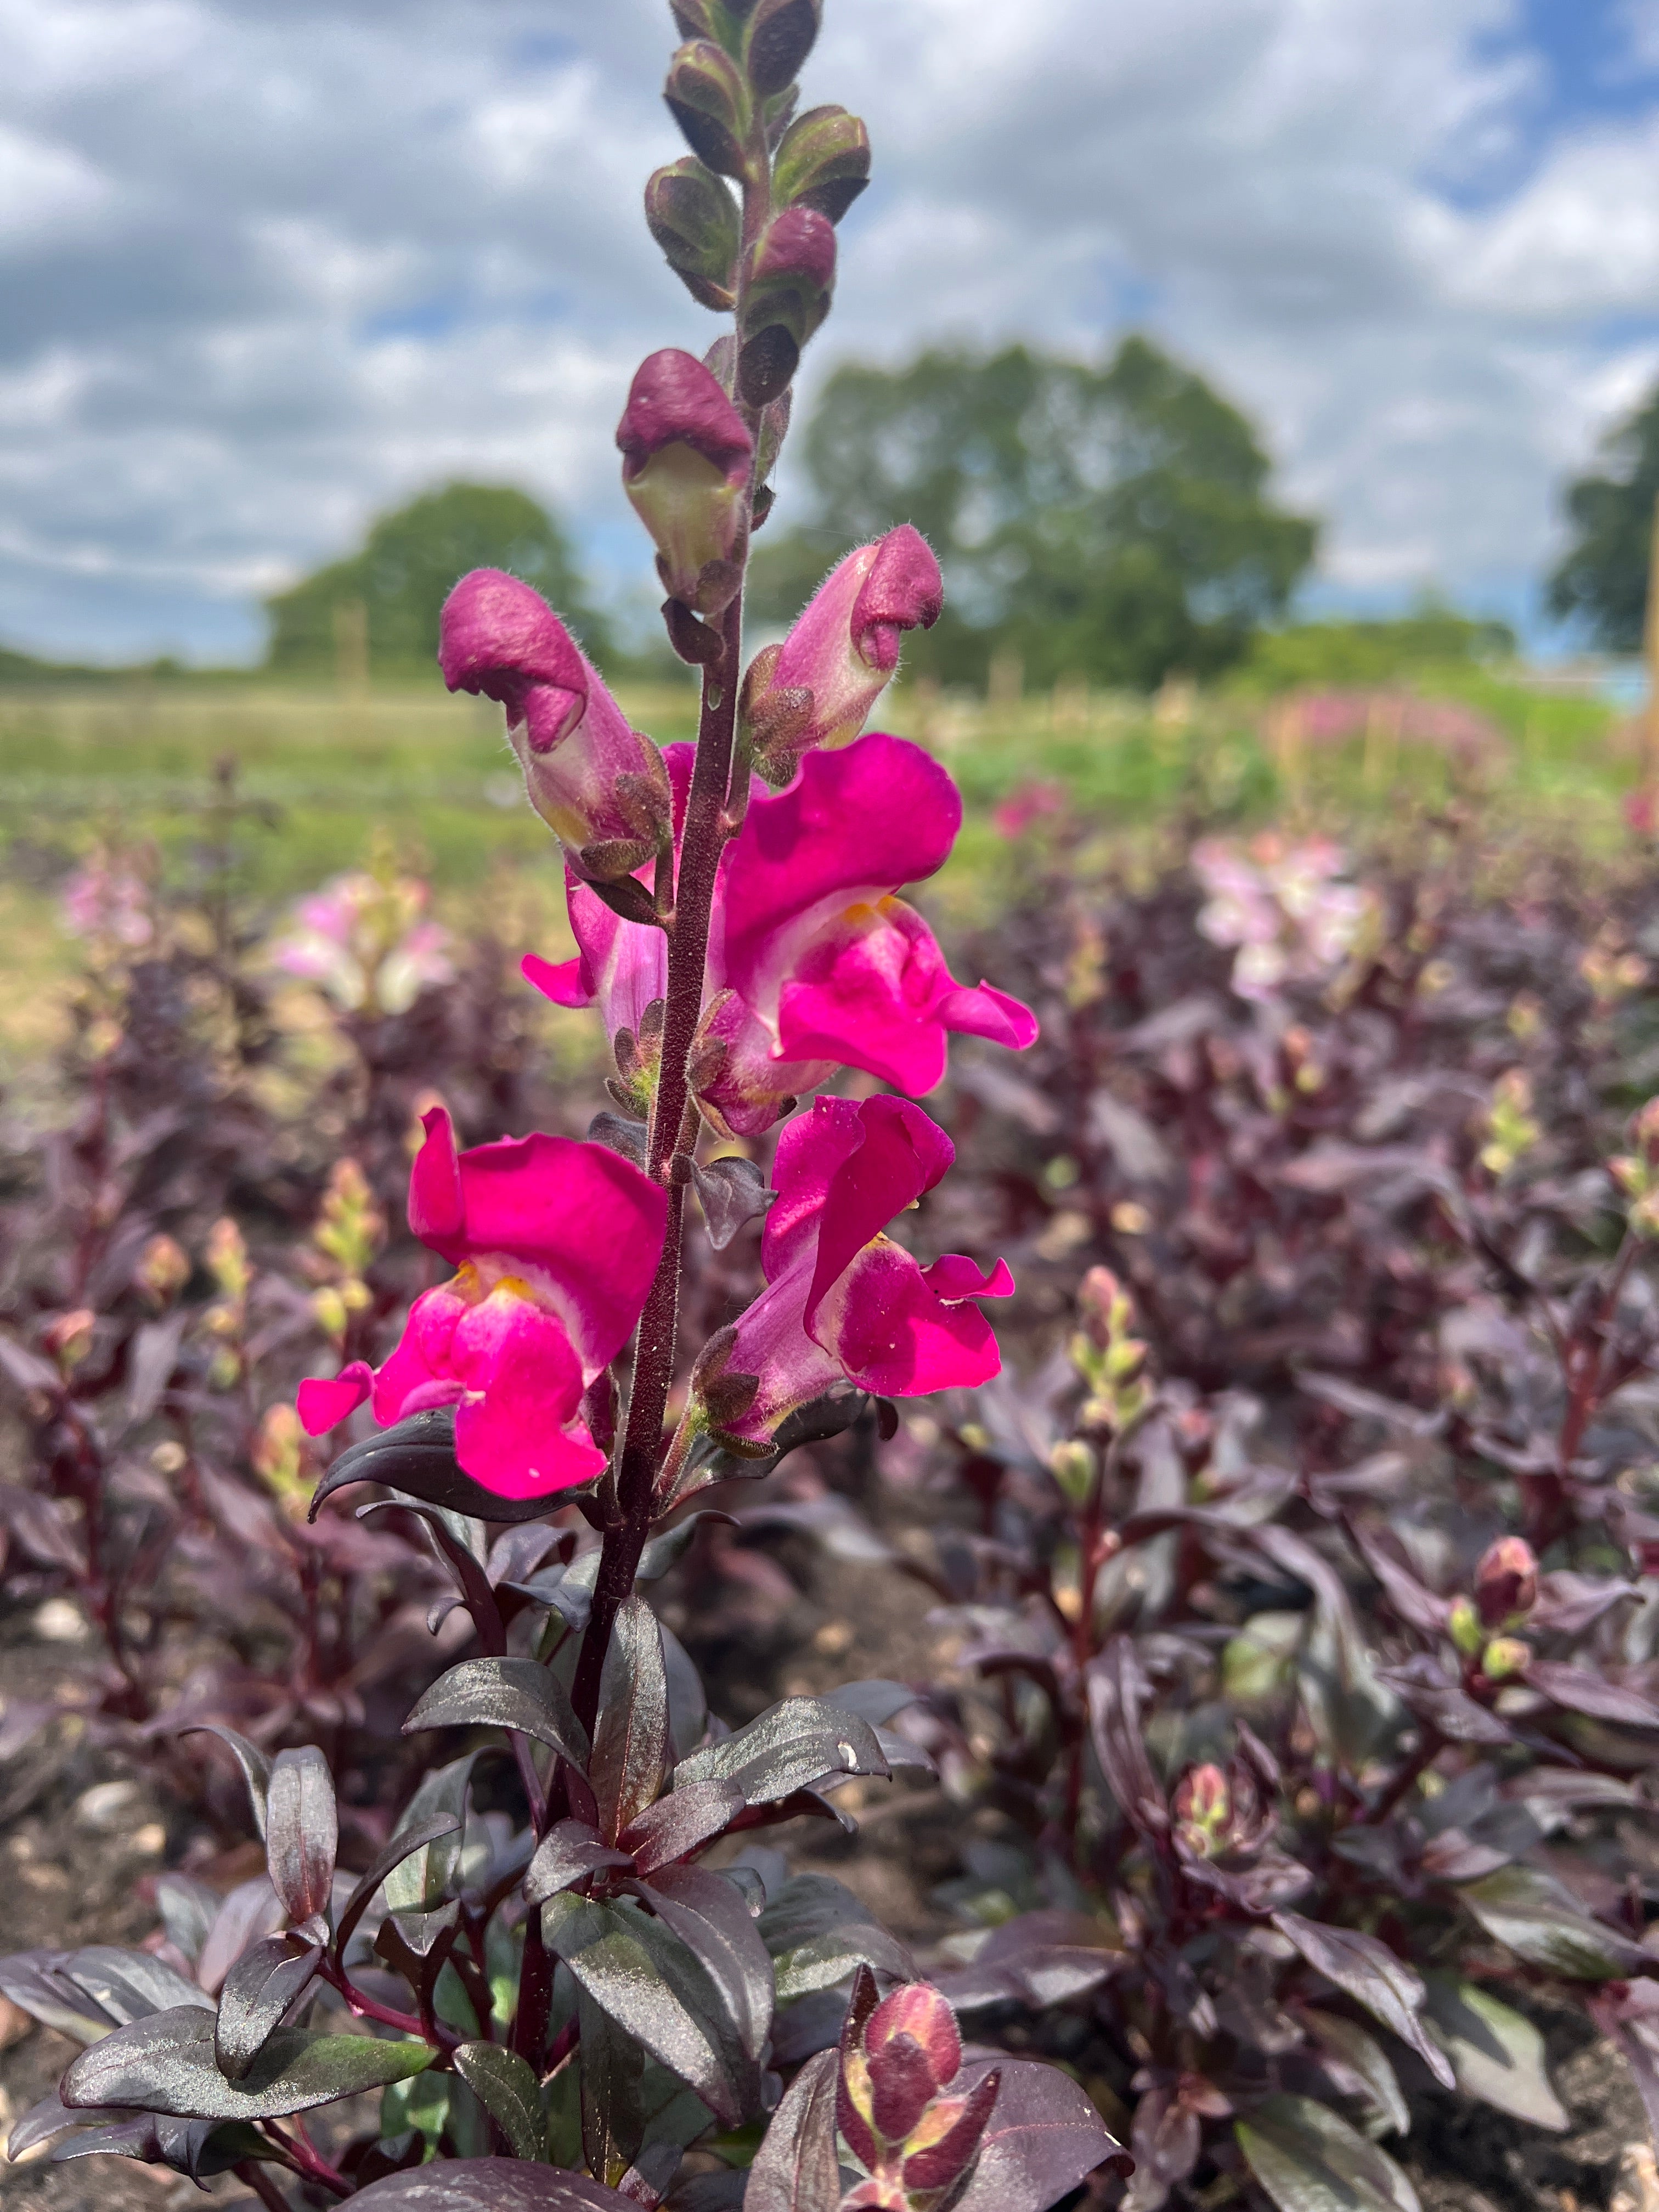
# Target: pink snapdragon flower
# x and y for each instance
(365, 940)
(555, 1244)
(818, 686)
(1285, 906)
(813, 961)
(104, 899)
(686, 455)
(842, 1301)
(598, 784)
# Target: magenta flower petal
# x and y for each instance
(853, 824)
(323, 1404)
(983, 1011)
(499, 637)
(516, 1429)
(436, 1213)
(418, 1374)
(811, 1153)
(620, 963)
(889, 1331)
(566, 983)
(904, 1155)
(957, 1277)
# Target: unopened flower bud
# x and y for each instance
(686, 457)
(823, 162)
(695, 220)
(163, 1270)
(227, 1260)
(1505, 1582)
(788, 282)
(1074, 1467)
(781, 35)
(1463, 1626)
(68, 1338)
(818, 686)
(1503, 1657)
(1509, 1118)
(1202, 1806)
(600, 786)
(1106, 1353)
(282, 1459)
(707, 96)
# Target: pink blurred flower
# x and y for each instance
(597, 783)
(555, 1244)
(1285, 906)
(842, 1300)
(104, 899)
(363, 938)
(1025, 806)
(813, 963)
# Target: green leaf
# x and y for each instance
(1496, 2053)
(1540, 1921)
(1308, 2160)
(408, 1840)
(166, 2064)
(505, 2086)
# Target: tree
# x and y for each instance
(403, 575)
(1603, 580)
(1109, 522)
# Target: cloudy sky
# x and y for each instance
(266, 265)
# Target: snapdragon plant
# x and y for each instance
(561, 1973)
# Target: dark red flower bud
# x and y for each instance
(781, 35)
(941, 2150)
(695, 220)
(1505, 1581)
(707, 96)
(788, 284)
(918, 2012)
(823, 162)
(901, 2086)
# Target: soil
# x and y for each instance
(76, 1867)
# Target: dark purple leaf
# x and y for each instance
(419, 1882)
(40, 1525)
(417, 1456)
(645, 1979)
(1118, 1691)
(1497, 2054)
(1568, 1603)
(816, 1931)
(151, 1358)
(1165, 2142)
(257, 1990)
(42, 2121)
(505, 2086)
(630, 1733)
(792, 1746)
(26, 1370)
(510, 1693)
(667, 1551)
(1531, 1914)
(489, 2185)
(1375, 1977)
(255, 1765)
(1043, 2138)
(447, 1533)
(796, 2168)
(708, 1915)
(302, 1831)
(677, 1824)
(1417, 1607)
(188, 1908)
(1422, 1684)
(165, 2064)
(390, 1854)
(1580, 1692)
(1358, 2067)
(569, 1851)
(130, 1984)
(250, 1911)
(1038, 1958)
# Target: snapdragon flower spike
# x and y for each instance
(555, 1244)
(686, 458)
(813, 963)
(842, 1301)
(893, 2107)
(820, 965)
(818, 686)
(598, 784)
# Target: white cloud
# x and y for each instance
(271, 263)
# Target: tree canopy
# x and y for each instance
(1602, 581)
(408, 564)
(1110, 522)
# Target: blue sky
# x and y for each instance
(270, 264)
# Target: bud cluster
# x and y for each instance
(1226, 1812)
(1504, 1590)
(915, 2138)
(350, 1233)
(1110, 1359)
(1512, 1132)
(1637, 1173)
